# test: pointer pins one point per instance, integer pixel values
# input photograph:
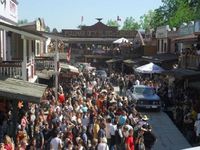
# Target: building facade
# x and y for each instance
(8, 15)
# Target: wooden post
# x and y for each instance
(24, 71)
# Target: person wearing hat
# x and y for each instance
(145, 118)
(143, 121)
(149, 137)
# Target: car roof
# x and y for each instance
(145, 86)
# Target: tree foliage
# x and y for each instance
(173, 13)
(113, 23)
(146, 21)
(184, 13)
(47, 29)
(130, 24)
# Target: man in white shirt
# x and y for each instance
(56, 143)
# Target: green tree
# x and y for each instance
(175, 12)
(47, 29)
(146, 21)
(195, 4)
(159, 18)
(113, 23)
(184, 13)
(130, 24)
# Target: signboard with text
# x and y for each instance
(99, 33)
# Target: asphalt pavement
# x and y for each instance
(168, 135)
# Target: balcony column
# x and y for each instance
(24, 71)
(1, 44)
(4, 44)
(31, 57)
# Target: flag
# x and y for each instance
(118, 18)
(68, 55)
(81, 19)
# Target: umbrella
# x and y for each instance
(121, 40)
(149, 68)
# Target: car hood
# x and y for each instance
(146, 97)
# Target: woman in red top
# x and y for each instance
(130, 141)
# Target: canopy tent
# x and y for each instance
(149, 68)
(121, 40)
(113, 60)
(66, 67)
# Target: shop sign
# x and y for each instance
(98, 33)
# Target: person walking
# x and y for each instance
(130, 141)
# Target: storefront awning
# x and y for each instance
(183, 73)
(113, 60)
(133, 61)
(21, 90)
(68, 68)
(195, 85)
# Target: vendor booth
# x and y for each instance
(67, 72)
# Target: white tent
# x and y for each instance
(121, 40)
(149, 68)
(66, 67)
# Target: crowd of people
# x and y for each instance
(88, 115)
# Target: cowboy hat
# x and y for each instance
(145, 118)
(104, 91)
(144, 127)
(104, 140)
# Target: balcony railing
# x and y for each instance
(44, 63)
(190, 61)
(11, 69)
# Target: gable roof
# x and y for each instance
(99, 26)
(22, 31)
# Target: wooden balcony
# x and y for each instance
(190, 61)
(44, 63)
(11, 69)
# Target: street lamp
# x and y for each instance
(56, 67)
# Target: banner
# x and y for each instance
(118, 18)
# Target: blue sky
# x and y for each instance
(66, 14)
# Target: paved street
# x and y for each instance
(168, 136)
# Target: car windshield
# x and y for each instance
(100, 72)
(144, 90)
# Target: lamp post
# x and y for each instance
(56, 61)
